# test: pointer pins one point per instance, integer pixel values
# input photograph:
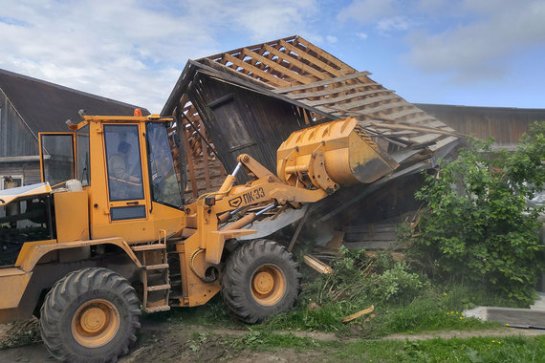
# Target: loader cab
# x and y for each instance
(126, 170)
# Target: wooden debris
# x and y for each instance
(358, 314)
(317, 265)
(336, 241)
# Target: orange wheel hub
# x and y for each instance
(95, 323)
(268, 285)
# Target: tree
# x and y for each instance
(478, 226)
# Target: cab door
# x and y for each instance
(56, 156)
(127, 183)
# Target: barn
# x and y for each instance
(29, 106)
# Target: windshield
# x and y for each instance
(165, 185)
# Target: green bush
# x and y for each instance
(362, 279)
(478, 227)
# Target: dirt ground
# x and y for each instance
(175, 342)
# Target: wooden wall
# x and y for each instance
(30, 170)
(505, 125)
(16, 139)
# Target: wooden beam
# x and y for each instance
(322, 83)
(302, 66)
(256, 71)
(223, 68)
(410, 112)
(332, 90)
(368, 101)
(344, 97)
(343, 66)
(204, 146)
(429, 130)
(273, 65)
(190, 165)
(385, 107)
(317, 265)
(301, 53)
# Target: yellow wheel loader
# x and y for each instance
(107, 235)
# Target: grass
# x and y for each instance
(472, 350)
(433, 310)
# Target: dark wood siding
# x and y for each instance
(505, 125)
(15, 138)
(29, 170)
(244, 122)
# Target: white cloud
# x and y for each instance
(396, 23)
(267, 20)
(362, 35)
(481, 48)
(130, 50)
(367, 11)
(331, 39)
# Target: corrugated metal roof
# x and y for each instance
(46, 106)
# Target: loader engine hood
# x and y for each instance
(9, 195)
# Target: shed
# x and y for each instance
(248, 100)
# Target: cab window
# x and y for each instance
(123, 162)
(165, 185)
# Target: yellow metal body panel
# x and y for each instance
(330, 155)
(9, 195)
(193, 268)
(32, 252)
(14, 282)
(72, 216)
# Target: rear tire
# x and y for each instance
(90, 315)
(260, 280)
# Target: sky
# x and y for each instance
(462, 52)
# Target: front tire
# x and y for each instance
(90, 315)
(260, 280)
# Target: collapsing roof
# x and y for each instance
(249, 99)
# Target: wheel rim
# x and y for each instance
(268, 285)
(95, 323)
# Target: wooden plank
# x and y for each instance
(204, 147)
(317, 265)
(334, 90)
(428, 130)
(322, 83)
(223, 68)
(190, 165)
(373, 110)
(343, 66)
(443, 142)
(359, 314)
(366, 102)
(345, 97)
(409, 112)
(301, 53)
(302, 66)
(256, 71)
(373, 245)
(273, 65)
